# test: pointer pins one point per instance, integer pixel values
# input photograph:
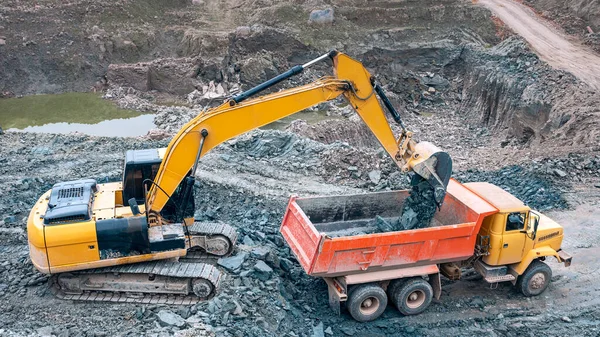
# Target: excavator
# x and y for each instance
(135, 240)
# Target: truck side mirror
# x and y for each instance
(535, 227)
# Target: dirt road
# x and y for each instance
(550, 45)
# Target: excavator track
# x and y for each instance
(156, 282)
(214, 238)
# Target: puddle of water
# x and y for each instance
(311, 117)
(83, 112)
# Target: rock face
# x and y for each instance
(174, 76)
(509, 89)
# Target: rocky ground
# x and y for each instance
(459, 78)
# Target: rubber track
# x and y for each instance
(164, 268)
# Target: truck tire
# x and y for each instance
(366, 302)
(393, 288)
(412, 296)
(535, 279)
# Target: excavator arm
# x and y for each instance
(241, 114)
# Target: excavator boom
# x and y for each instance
(240, 114)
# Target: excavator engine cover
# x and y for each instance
(70, 201)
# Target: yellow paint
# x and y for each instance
(513, 242)
(119, 198)
(39, 258)
(497, 197)
(71, 243)
(519, 268)
(119, 261)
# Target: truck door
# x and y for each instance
(513, 238)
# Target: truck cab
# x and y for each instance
(514, 236)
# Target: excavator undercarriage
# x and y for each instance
(185, 280)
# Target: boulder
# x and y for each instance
(169, 318)
(375, 176)
(321, 16)
(262, 271)
(233, 263)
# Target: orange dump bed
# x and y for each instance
(329, 235)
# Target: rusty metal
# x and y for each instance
(450, 270)
(565, 257)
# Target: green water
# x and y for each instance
(83, 108)
(86, 113)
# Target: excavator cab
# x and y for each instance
(139, 173)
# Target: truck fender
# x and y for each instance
(436, 285)
(519, 268)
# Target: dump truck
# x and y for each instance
(479, 226)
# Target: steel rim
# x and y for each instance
(537, 281)
(369, 305)
(415, 299)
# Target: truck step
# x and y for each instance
(501, 278)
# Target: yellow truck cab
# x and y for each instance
(515, 240)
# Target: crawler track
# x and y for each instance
(114, 291)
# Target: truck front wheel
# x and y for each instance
(366, 302)
(412, 297)
(535, 279)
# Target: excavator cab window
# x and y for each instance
(515, 221)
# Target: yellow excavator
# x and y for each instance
(135, 240)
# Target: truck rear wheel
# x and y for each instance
(412, 296)
(366, 302)
(535, 279)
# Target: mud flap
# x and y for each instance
(336, 296)
(436, 284)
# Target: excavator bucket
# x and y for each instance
(431, 164)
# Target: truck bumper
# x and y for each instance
(565, 257)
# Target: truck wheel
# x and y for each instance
(393, 288)
(535, 279)
(366, 302)
(413, 296)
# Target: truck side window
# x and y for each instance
(515, 221)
